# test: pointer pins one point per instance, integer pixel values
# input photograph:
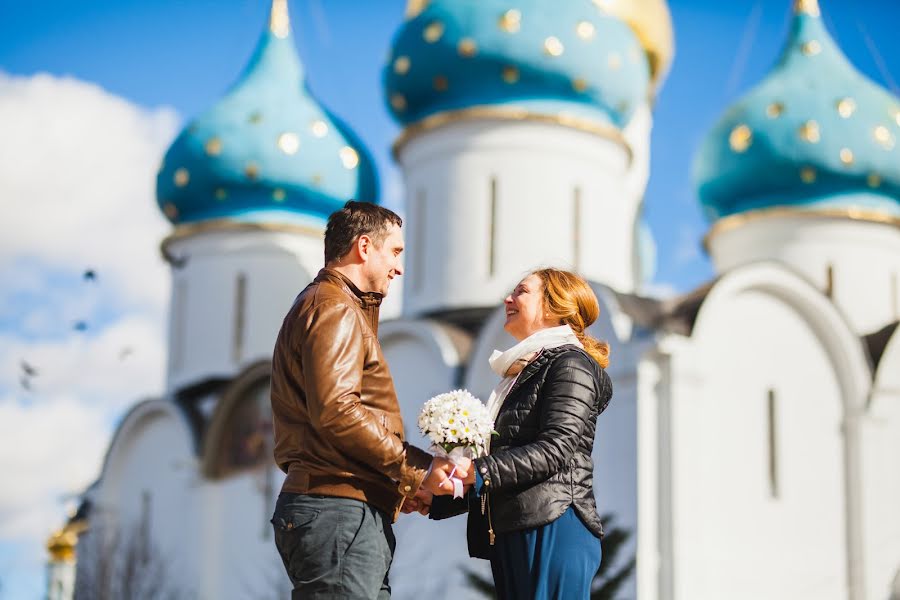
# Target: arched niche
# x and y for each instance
(239, 437)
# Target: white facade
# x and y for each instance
(855, 262)
(231, 288)
(489, 199)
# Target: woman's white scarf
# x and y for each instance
(502, 361)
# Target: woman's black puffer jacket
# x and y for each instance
(540, 463)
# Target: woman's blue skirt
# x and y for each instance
(555, 561)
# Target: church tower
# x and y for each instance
(805, 170)
(525, 143)
(248, 185)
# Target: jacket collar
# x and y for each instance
(366, 299)
(538, 362)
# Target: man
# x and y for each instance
(338, 430)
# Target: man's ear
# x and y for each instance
(363, 246)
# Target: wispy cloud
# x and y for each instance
(77, 174)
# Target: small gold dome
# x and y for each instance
(652, 23)
(61, 544)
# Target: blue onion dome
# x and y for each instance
(267, 151)
(815, 134)
(548, 58)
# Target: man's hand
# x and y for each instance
(421, 503)
(438, 481)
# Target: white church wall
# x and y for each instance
(146, 489)
(487, 200)
(762, 461)
(431, 556)
(880, 456)
(230, 296)
(859, 261)
(238, 559)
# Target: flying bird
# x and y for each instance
(90, 275)
(80, 326)
(28, 369)
(125, 352)
(25, 383)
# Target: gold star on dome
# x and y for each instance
(585, 30)
(553, 47)
(579, 84)
(288, 142)
(873, 180)
(510, 74)
(846, 155)
(170, 210)
(467, 48)
(213, 146)
(433, 32)
(440, 83)
(182, 177)
(401, 65)
(809, 132)
(846, 107)
(349, 157)
(774, 110)
(811, 48)
(808, 175)
(319, 128)
(251, 171)
(221, 194)
(740, 139)
(510, 21)
(398, 102)
(883, 137)
(278, 195)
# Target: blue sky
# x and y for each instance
(132, 72)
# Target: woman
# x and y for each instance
(531, 502)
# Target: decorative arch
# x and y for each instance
(239, 437)
(853, 375)
(131, 428)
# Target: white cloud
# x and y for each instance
(77, 180)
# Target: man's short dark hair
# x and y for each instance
(355, 219)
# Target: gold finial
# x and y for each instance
(279, 21)
(807, 7)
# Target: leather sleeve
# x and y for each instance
(334, 357)
(568, 400)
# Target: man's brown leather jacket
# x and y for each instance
(338, 430)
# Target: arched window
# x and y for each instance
(240, 433)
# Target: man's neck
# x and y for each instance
(351, 271)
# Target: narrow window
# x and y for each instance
(418, 251)
(179, 321)
(829, 281)
(492, 256)
(773, 445)
(576, 230)
(240, 297)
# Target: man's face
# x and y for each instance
(383, 262)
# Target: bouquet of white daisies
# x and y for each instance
(457, 423)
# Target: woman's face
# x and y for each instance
(525, 312)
